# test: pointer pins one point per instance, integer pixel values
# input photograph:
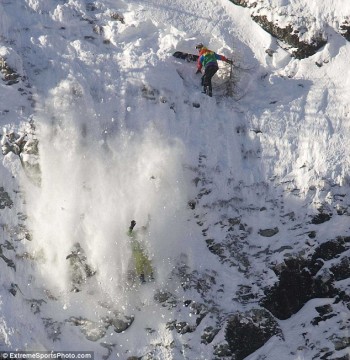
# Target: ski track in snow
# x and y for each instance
(120, 139)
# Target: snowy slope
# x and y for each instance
(121, 137)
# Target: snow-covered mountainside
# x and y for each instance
(241, 199)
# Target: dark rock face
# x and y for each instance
(341, 271)
(331, 249)
(296, 286)
(247, 332)
(321, 218)
(301, 280)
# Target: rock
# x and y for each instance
(93, 331)
(119, 321)
(268, 232)
(53, 328)
(295, 287)
(245, 294)
(312, 234)
(341, 271)
(321, 218)
(246, 332)
(209, 334)
(192, 204)
(330, 249)
(345, 29)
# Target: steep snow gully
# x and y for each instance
(242, 198)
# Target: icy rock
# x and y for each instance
(53, 328)
(118, 17)
(325, 311)
(35, 304)
(8, 262)
(183, 327)
(243, 3)
(341, 343)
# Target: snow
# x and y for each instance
(120, 139)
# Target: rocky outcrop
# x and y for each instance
(290, 37)
(295, 287)
(246, 332)
(300, 279)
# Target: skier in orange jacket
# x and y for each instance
(208, 59)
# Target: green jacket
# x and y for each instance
(135, 244)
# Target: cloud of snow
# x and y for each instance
(93, 186)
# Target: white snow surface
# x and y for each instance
(120, 139)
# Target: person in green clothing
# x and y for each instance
(143, 266)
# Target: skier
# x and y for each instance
(143, 265)
(208, 59)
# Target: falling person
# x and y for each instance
(143, 266)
